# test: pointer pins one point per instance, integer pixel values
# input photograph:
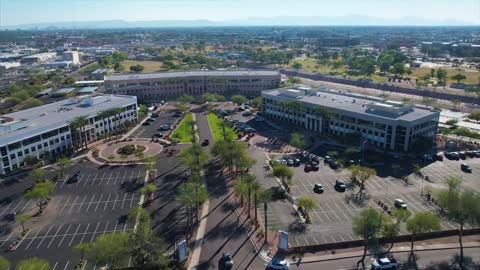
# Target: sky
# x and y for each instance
(15, 12)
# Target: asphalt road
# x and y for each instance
(225, 232)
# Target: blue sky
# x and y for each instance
(13, 12)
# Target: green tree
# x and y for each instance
(264, 196)
(297, 66)
(78, 124)
(184, 196)
(458, 77)
(140, 212)
(111, 249)
(252, 184)
(151, 165)
(193, 157)
(186, 99)
(361, 174)
(257, 102)
(4, 263)
(63, 163)
(399, 69)
(118, 67)
(421, 222)
(391, 228)
(82, 249)
(367, 226)
(297, 140)
(35, 102)
(22, 219)
(148, 190)
(475, 116)
(137, 68)
(238, 99)
(145, 246)
(40, 193)
(33, 264)
(69, 81)
(37, 174)
(284, 173)
(442, 76)
(462, 208)
(240, 188)
(307, 204)
(294, 80)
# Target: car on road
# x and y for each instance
(466, 168)
(318, 188)
(278, 265)
(155, 115)
(205, 142)
(226, 261)
(400, 204)
(159, 135)
(340, 185)
(146, 123)
(439, 156)
(384, 263)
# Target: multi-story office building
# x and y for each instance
(154, 87)
(46, 130)
(389, 125)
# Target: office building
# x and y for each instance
(154, 87)
(389, 125)
(38, 58)
(46, 131)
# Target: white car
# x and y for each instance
(384, 263)
(400, 204)
(278, 265)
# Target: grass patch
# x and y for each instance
(217, 130)
(183, 133)
(150, 66)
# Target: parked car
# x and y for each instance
(340, 185)
(146, 123)
(290, 162)
(278, 265)
(327, 159)
(205, 142)
(158, 135)
(308, 167)
(164, 127)
(226, 261)
(296, 162)
(155, 115)
(439, 156)
(462, 155)
(150, 120)
(466, 168)
(315, 166)
(384, 263)
(334, 164)
(400, 204)
(452, 155)
(318, 188)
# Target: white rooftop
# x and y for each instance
(54, 115)
(199, 73)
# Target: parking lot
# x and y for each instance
(331, 222)
(96, 204)
(166, 117)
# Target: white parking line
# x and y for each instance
(123, 178)
(106, 226)
(72, 205)
(64, 205)
(100, 179)
(90, 203)
(1, 214)
(81, 204)
(75, 234)
(131, 202)
(123, 201)
(98, 203)
(66, 265)
(106, 203)
(53, 238)
(51, 226)
(93, 235)
(28, 203)
(82, 179)
(59, 244)
(6, 240)
(55, 266)
(13, 211)
(115, 202)
(86, 230)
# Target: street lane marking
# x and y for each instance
(64, 205)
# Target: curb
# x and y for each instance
(140, 203)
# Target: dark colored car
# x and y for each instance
(315, 166)
(318, 188)
(340, 185)
(205, 142)
(439, 157)
(308, 167)
(155, 115)
(466, 168)
(226, 261)
(146, 123)
(462, 155)
(296, 162)
(334, 164)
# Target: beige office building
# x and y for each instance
(153, 87)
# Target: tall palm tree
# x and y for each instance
(116, 112)
(240, 189)
(265, 195)
(79, 123)
(256, 189)
(251, 182)
(184, 196)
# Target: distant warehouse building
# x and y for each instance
(38, 58)
(154, 87)
(387, 124)
(46, 130)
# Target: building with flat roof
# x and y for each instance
(72, 56)
(46, 131)
(153, 87)
(39, 57)
(387, 124)
(99, 74)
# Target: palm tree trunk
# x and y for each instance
(255, 205)
(248, 202)
(266, 224)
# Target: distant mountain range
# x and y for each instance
(351, 20)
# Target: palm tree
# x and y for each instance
(251, 181)
(82, 249)
(264, 196)
(80, 122)
(256, 189)
(148, 190)
(184, 197)
(240, 189)
(307, 204)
